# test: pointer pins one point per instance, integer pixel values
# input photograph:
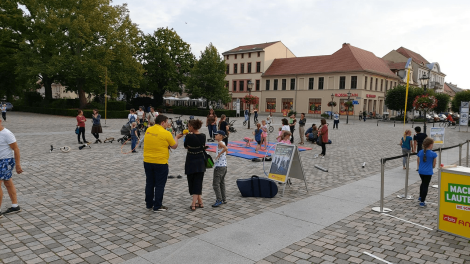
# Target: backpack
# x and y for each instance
(132, 119)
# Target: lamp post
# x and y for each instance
(424, 81)
(250, 86)
(332, 97)
(347, 113)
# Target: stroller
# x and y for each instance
(126, 132)
(231, 127)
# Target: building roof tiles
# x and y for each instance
(411, 54)
(252, 47)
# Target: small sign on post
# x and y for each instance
(463, 121)
(437, 134)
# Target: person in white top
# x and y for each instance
(4, 112)
(151, 116)
(132, 117)
(220, 169)
(9, 159)
(140, 115)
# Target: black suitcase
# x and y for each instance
(257, 187)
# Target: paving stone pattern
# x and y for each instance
(86, 206)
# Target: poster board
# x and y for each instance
(238, 107)
(463, 121)
(286, 164)
(438, 134)
(454, 201)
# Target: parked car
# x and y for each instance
(442, 117)
(9, 105)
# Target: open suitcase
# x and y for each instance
(257, 187)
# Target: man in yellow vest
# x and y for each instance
(157, 144)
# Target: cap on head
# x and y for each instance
(220, 132)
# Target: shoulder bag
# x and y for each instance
(77, 130)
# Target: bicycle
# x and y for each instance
(172, 125)
(179, 125)
(444, 124)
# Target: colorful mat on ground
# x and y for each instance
(238, 149)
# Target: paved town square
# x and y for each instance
(87, 206)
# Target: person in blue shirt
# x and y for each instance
(312, 133)
(134, 137)
(405, 143)
(336, 120)
(427, 161)
(257, 133)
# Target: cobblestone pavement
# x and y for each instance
(86, 206)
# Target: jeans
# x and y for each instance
(246, 117)
(405, 151)
(218, 183)
(81, 131)
(335, 124)
(364, 118)
(212, 130)
(4, 115)
(156, 176)
(423, 189)
(133, 143)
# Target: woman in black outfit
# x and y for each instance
(195, 165)
(96, 128)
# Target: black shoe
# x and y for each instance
(12, 210)
(162, 208)
(79, 142)
(171, 177)
(99, 141)
(179, 176)
(96, 142)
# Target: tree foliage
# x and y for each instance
(167, 61)
(207, 77)
(395, 98)
(463, 96)
(442, 102)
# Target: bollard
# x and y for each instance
(377, 122)
(412, 123)
(363, 165)
(467, 154)
(460, 154)
(381, 209)
(433, 124)
(393, 123)
(406, 196)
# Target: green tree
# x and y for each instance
(442, 102)
(395, 98)
(463, 96)
(207, 78)
(167, 61)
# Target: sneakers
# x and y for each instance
(322, 156)
(79, 142)
(217, 203)
(422, 204)
(224, 201)
(12, 210)
(162, 208)
(419, 199)
(316, 156)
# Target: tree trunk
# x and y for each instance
(158, 98)
(47, 88)
(81, 96)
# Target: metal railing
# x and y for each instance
(381, 208)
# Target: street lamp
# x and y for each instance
(424, 81)
(250, 86)
(332, 97)
(347, 113)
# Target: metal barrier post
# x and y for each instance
(377, 122)
(439, 168)
(406, 196)
(381, 209)
(460, 154)
(394, 123)
(467, 154)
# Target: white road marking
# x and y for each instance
(409, 222)
(367, 253)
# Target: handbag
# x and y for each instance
(208, 161)
(77, 130)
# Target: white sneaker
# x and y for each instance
(322, 156)
(316, 156)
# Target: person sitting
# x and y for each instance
(312, 133)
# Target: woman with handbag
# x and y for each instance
(323, 137)
(195, 165)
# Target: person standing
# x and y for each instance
(140, 115)
(223, 126)
(360, 115)
(4, 112)
(151, 115)
(132, 117)
(364, 115)
(255, 117)
(156, 154)
(247, 115)
(96, 128)
(302, 122)
(323, 133)
(134, 137)
(292, 123)
(149, 108)
(195, 166)
(9, 159)
(418, 139)
(335, 120)
(220, 170)
(81, 127)
(257, 133)
(405, 143)
(427, 161)
(211, 123)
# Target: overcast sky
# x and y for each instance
(438, 30)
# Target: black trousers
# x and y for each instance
(195, 183)
(81, 131)
(4, 115)
(335, 124)
(225, 140)
(423, 189)
(292, 129)
(96, 135)
(323, 148)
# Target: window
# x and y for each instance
(258, 66)
(241, 84)
(292, 84)
(259, 53)
(365, 84)
(321, 80)
(275, 84)
(227, 70)
(242, 67)
(226, 84)
(314, 106)
(270, 104)
(310, 83)
(287, 103)
(248, 67)
(234, 87)
(342, 82)
(249, 54)
(381, 84)
(235, 68)
(257, 85)
(235, 56)
(268, 82)
(386, 86)
(371, 81)
(395, 84)
(284, 84)
(376, 83)
(242, 55)
(353, 82)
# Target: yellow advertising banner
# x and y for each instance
(454, 203)
(277, 177)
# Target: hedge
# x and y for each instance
(70, 112)
(202, 112)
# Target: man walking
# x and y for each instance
(9, 159)
(156, 154)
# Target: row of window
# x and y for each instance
(242, 68)
(377, 84)
(227, 57)
(240, 85)
(283, 84)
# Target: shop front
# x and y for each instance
(287, 105)
(343, 110)
(270, 106)
(314, 105)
